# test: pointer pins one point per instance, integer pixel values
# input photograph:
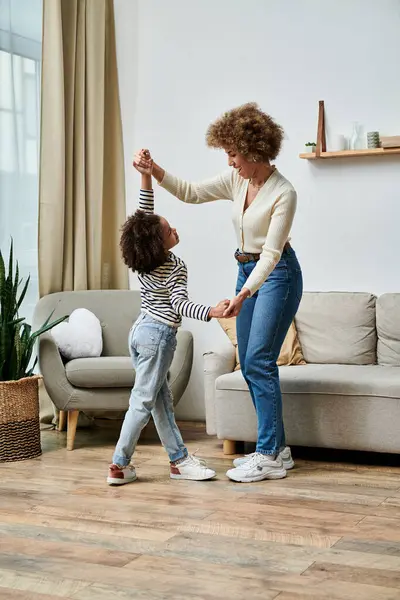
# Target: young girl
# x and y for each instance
(146, 243)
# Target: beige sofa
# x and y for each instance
(104, 383)
(346, 397)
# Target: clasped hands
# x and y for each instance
(230, 308)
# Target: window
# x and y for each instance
(20, 65)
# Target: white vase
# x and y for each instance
(309, 149)
(338, 143)
(356, 140)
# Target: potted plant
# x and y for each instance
(19, 392)
(310, 147)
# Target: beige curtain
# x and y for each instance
(82, 188)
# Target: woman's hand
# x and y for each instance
(216, 312)
(143, 162)
(235, 305)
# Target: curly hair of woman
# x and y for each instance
(247, 130)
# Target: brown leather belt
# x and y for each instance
(245, 257)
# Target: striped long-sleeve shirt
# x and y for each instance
(164, 290)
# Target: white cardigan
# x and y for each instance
(263, 228)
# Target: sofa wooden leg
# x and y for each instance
(229, 447)
(71, 431)
(62, 420)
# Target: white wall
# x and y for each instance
(197, 59)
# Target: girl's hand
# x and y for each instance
(143, 162)
(216, 312)
(235, 305)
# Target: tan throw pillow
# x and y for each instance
(290, 354)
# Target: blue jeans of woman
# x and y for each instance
(152, 346)
(262, 325)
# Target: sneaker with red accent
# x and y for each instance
(118, 475)
(192, 468)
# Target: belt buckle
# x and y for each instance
(242, 258)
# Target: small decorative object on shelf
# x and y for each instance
(391, 141)
(390, 145)
(373, 139)
(338, 143)
(309, 147)
(356, 140)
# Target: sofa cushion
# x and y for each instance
(337, 328)
(343, 380)
(102, 372)
(388, 328)
(290, 353)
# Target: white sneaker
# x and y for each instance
(192, 468)
(285, 455)
(257, 468)
(118, 475)
(287, 459)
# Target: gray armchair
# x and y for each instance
(102, 383)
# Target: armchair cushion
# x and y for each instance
(101, 372)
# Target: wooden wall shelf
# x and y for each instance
(351, 153)
(322, 154)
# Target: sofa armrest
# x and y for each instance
(219, 361)
(181, 366)
(52, 368)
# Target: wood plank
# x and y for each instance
(113, 542)
(106, 592)
(291, 523)
(378, 528)
(370, 547)
(305, 587)
(9, 594)
(90, 526)
(69, 550)
(298, 501)
(376, 577)
(351, 153)
(360, 559)
(155, 516)
(322, 492)
(337, 590)
(302, 537)
(40, 583)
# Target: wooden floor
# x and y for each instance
(327, 531)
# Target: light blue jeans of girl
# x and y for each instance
(152, 346)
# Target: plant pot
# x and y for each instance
(309, 149)
(19, 419)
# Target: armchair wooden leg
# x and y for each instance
(71, 431)
(229, 447)
(62, 420)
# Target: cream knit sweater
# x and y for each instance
(263, 227)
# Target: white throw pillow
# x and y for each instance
(80, 337)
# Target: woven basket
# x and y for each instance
(19, 419)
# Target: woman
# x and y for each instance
(269, 284)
